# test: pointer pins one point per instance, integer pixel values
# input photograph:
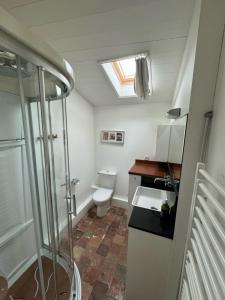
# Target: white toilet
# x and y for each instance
(104, 191)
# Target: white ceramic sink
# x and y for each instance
(152, 198)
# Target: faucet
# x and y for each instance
(167, 180)
(75, 181)
(158, 179)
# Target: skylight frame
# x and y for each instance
(124, 80)
(119, 93)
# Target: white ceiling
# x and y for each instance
(87, 31)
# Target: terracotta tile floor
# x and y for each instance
(101, 254)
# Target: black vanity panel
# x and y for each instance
(148, 181)
(152, 222)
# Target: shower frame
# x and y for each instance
(8, 43)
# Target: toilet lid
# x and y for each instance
(102, 194)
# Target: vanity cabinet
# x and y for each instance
(149, 253)
(150, 237)
(147, 266)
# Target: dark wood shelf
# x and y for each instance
(155, 168)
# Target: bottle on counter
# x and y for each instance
(165, 210)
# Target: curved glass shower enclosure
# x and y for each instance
(36, 203)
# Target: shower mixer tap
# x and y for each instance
(52, 136)
(75, 181)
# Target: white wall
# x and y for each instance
(216, 153)
(208, 49)
(140, 125)
(81, 144)
(176, 143)
(162, 142)
(182, 91)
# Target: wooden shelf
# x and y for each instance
(155, 168)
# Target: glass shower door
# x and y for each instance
(19, 243)
(47, 118)
(55, 107)
(36, 212)
(53, 113)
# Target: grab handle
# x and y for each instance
(74, 182)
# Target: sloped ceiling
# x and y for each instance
(86, 32)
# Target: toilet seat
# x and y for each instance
(102, 195)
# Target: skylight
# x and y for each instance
(121, 73)
(125, 70)
(128, 66)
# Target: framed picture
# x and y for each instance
(112, 136)
(105, 136)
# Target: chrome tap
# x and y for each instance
(159, 179)
(75, 181)
(167, 180)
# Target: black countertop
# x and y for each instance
(152, 222)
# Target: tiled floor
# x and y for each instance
(101, 254)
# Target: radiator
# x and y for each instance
(203, 272)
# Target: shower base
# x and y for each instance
(26, 286)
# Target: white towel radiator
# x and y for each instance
(203, 273)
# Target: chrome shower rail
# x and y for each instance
(32, 184)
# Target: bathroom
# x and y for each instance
(76, 151)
